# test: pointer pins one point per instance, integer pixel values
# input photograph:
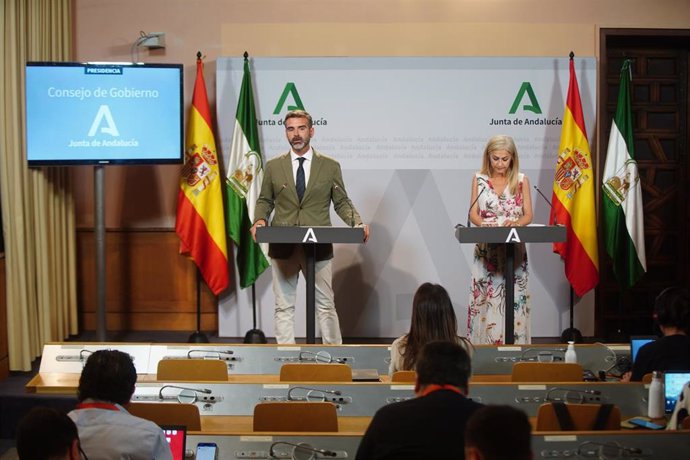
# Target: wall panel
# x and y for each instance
(149, 285)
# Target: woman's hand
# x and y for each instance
(511, 223)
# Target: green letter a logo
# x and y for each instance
(290, 88)
(533, 106)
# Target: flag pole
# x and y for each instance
(571, 333)
(198, 336)
(254, 335)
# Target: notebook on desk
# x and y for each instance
(637, 341)
(365, 375)
(673, 386)
(176, 435)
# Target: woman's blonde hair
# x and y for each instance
(502, 142)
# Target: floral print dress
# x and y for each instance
(486, 314)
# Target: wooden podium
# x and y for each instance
(509, 236)
(309, 237)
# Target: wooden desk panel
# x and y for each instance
(245, 424)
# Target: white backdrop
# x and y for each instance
(409, 133)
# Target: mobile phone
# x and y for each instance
(645, 424)
(206, 451)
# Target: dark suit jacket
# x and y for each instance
(427, 427)
(278, 193)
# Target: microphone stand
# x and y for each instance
(198, 336)
(571, 333)
(254, 335)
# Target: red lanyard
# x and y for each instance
(98, 405)
(434, 387)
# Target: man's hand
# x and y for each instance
(366, 232)
(258, 223)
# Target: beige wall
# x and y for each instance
(145, 196)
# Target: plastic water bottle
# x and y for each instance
(570, 355)
(655, 407)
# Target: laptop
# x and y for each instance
(637, 341)
(176, 435)
(673, 386)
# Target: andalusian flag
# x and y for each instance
(200, 220)
(622, 197)
(573, 196)
(243, 183)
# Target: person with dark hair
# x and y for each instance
(300, 186)
(515, 441)
(106, 429)
(433, 319)
(430, 425)
(45, 433)
(672, 350)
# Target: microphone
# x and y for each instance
(571, 395)
(210, 352)
(555, 221)
(195, 390)
(309, 393)
(319, 356)
(349, 202)
(298, 449)
(472, 205)
(282, 187)
(84, 352)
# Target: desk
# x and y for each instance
(652, 445)
(364, 399)
(252, 359)
(492, 360)
(649, 444)
(257, 445)
(241, 359)
(360, 399)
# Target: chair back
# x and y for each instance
(167, 414)
(315, 372)
(546, 372)
(186, 370)
(295, 416)
(583, 416)
(404, 377)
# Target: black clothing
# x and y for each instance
(669, 353)
(426, 427)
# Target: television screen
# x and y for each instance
(103, 113)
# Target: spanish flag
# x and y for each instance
(200, 217)
(573, 196)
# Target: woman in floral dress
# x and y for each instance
(500, 197)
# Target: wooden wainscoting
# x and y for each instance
(4, 347)
(149, 285)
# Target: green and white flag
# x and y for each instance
(243, 183)
(622, 197)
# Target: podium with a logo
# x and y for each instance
(310, 237)
(509, 236)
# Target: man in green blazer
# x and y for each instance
(300, 186)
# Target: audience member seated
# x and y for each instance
(106, 429)
(672, 351)
(433, 319)
(498, 433)
(431, 424)
(47, 434)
